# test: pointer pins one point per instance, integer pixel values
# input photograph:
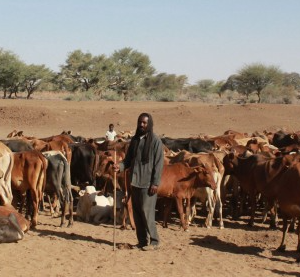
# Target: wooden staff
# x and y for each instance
(115, 202)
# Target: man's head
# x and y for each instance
(144, 124)
(111, 127)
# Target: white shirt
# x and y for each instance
(111, 135)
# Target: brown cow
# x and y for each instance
(179, 181)
(29, 173)
(255, 172)
(205, 193)
(279, 179)
(56, 145)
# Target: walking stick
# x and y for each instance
(115, 202)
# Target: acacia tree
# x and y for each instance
(253, 78)
(235, 83)
(292, 80)
(82, 71)
(164, 81)
(256, 77)
(129, 69)
(34, 76)
(11, 68)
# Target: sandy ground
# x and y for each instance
(86, 249)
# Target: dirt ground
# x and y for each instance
(87, 250)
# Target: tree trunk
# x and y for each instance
(258, 95)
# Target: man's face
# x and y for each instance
(142, 125)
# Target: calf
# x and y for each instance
(29, 173)
(58, 181)
(213, 197)
(94, 206)
(179, 181)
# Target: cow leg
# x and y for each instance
(217, 192)
(220, 209)
(210, 207)
(193, 210)
(274, 215)
(130, 213)
(64, 208)
(285, 228)
(235, 197)
(242, 202)
(181, 213)
(29, 208)
(167, 211)
(188, 210)
(71, 218)
(253, 208)
(35, 202)
(50, 205)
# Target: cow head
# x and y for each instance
(205, 176)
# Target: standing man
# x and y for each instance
(111, 133)
(144, 159)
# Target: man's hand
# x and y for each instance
(152, 189)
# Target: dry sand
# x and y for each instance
(87, 250)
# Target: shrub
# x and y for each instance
(82, 96)
(278, 95)
(164, 96)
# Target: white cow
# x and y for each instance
(94, 206)
(6, 164)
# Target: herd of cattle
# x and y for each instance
(73, 171)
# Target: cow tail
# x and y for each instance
(95, 165)
(67, 180)
(10, 167)
(7, 178)
(45, 165)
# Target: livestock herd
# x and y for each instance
(73, 171)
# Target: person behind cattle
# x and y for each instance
(111, 133)
(144, 159)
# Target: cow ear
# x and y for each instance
(292, 136)
(81, 192)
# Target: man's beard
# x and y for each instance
(141, 131)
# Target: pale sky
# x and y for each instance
(202, 39)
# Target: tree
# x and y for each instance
(34, 76)
(256, 77)
(82, 71)
(205, 85)
(163, 82)
(11, 68)
(130, 68)
(235, 83)
(292, 80)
